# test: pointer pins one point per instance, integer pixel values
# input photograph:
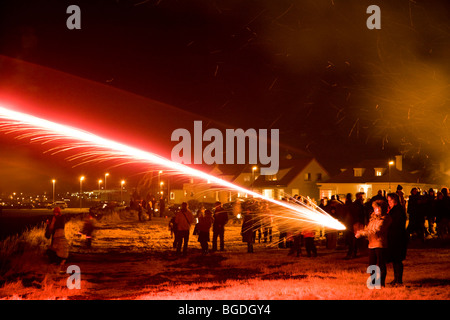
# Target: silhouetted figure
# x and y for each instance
(416, 218)
(310, 247)
(248, 229)
(397, 237)
(204, 225)
(183, 221)
(220, 220)
(59, 245)
(88, 228)
(162, 206)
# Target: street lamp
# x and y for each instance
(161, 186)
(253, 174)
(159, 178)
(53, 181)
(390, 164)
(81, 190)
(99, 183)
(106, 175)
(121, 190)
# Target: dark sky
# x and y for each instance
(309, 68)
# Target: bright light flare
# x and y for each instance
(25, 126)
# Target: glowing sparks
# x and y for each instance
(94, 149)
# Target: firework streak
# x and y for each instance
(92, 148)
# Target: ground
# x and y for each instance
(135, 260)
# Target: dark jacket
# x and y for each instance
(220, 219)
(397, 234)
(248, 228)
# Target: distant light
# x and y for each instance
(391, 163)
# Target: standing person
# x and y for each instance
(401, 196)
(429, 211)
(267, 222)
(397, 237)
(88, 228)
(183, 219)
(59, 244)
(248, 228)
(296, 246)
(416, 218)
(204, 225)
(442, 213)
(220, 220)
(349, 222)
(377, 231)
(308, 236)
(162, 206)
(173, 231)
(360, 213)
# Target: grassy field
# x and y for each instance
(135, 260)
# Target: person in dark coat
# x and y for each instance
(183, 220)
(416, 218)
(162, 206)
(397, 237)
(220, 220)
(429, 211)
(442, 213)
(248, 229)
(204, 225)
(349, 221)
(88, 228)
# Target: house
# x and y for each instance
(369, 176)
(295, 177)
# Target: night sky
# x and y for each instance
(139, 69)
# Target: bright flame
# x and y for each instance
(101, 149)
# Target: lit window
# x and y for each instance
(307, 176)
(378, 173)
(358, 172)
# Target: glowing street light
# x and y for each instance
(81, 190)
(106, 175)
(391, 163)
(53, 181)
(99, 183)
(121, 190)
(253, 174)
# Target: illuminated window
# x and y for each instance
(308, 176)
(378, 173)
(358, 172)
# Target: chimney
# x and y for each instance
(398, 162)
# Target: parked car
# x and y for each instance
(61, 204)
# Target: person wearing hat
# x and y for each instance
(59, 244)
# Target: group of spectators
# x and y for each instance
(180, 225)
(389, 222)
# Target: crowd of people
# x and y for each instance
(384, 224)
(388, 222)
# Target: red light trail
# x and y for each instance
(94, 148)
